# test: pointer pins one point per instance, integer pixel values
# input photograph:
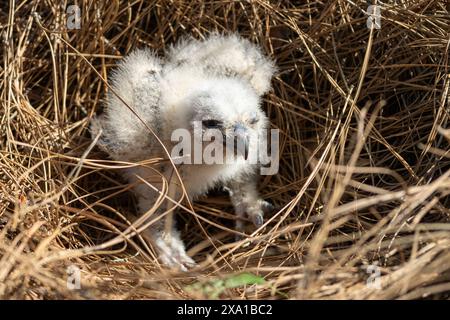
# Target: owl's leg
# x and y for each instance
(166, 239)
(246, 201)
(162, 233)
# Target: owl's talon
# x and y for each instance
(188, 262)
(258, 220)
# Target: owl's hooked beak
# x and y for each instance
(241, 139)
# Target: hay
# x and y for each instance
(364, 171)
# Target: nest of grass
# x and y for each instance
(364, 180)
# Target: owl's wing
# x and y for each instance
(228, 55)
(136, 81)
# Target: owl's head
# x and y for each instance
(229, 107)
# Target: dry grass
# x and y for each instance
(364, 171)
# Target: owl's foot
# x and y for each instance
(255, 212)
(172, 253)
(170, 249)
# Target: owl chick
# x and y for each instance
(215, 84)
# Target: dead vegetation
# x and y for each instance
(364, 180)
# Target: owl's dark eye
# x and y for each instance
(212, 124)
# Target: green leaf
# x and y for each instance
(242, 280)
(213, 288)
